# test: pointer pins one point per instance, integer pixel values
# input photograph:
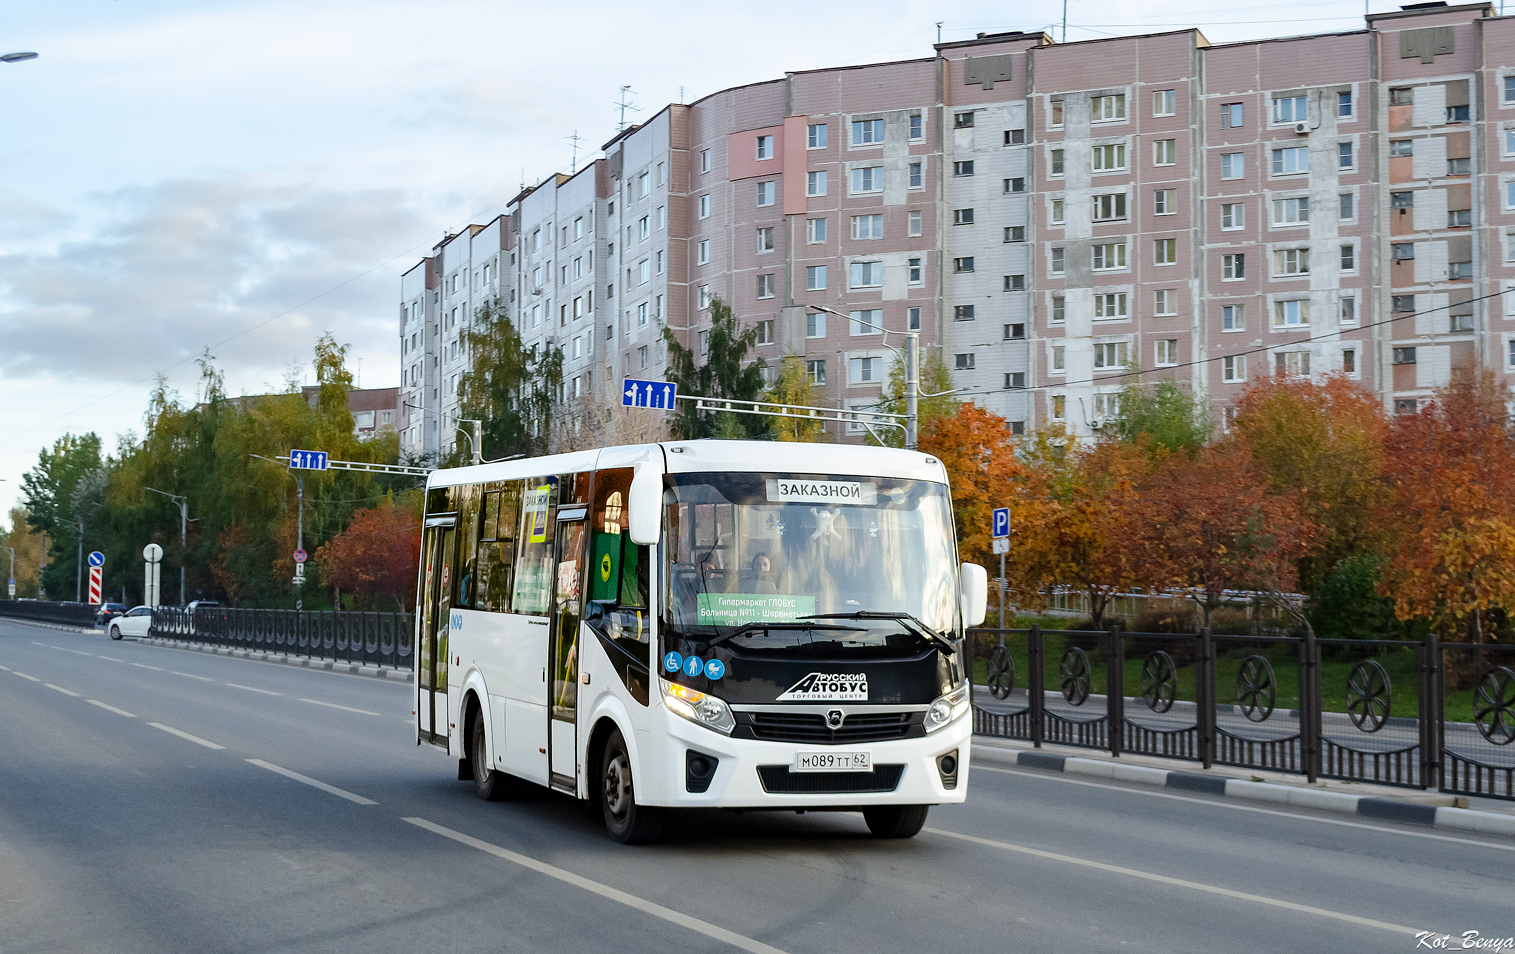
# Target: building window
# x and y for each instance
(704, 206)
(917, 127)
(1056, 215)
(964, 362)
(1059, 407)
(1232, 216)
(704, 163)
(1230, 115)
(1459, 270)
(1167, 352)
(703, 297)
(815, 136)
(1349, 360)
(1110, 157)
(1110, 306)
(1344, 105)
(1509, 89)
(1348, 258)
(1056, 163)
(867, 274)
(1015, 233)
(1233, 368)
(867, 132)
(913, 223)
(816, 371)
(1459, 218)
(1165, 251)
(913, 319)
(642, 315)
(1165, 152)
(916, 274)
(1290, 109)
(705, 342)
(1165, 102)
(644, 185)
(1017, 184)
(815, 231)
(1164, 302)
(870, 322)
(1233, 268)
(1291, 160)
(916, 178)
(765, 193)
(765, 332)
(1293, 313)
(866, 370)
(1348, 310)
(765, 239)
(1059, 359)
(815, 183)
(1401, 200)
(1459, 167)
(1112, 206)
(1231, 165)
(765, 286)
(963, 167)
(1109, 355)
(1015, 137)
(1401, 148)
(765, 147)
(1233, 318)
(1403, 303)
(1109, 255)
(1346, 207)
(815, 324)
(1056, 110)
(1404, 355)
(962, 216)
(1108, 109)
(1291, 211)
(1457, 114)
(1344, 155)
(963, 264)
(1015, 283)
(702, 253)
(1015, 380)
(963, 312)
(1291, 261)
(1015, 331)
(815, 277)
(1162, 203)
(867, 179)
(962, 120)
(1059, 309)
(1059, 260)
(867, 226)
(1292, 362)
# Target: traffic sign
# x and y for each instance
(659, 394)
(1001, 522)
(96, 558)
(307, 460)
(10, 588)
(1001, 545)
(301, 556)
(94, 585)
(152, 553)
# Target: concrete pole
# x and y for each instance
(183, 543)
(79, 569)
(912, 387)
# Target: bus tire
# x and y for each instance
(896, 821)
(625, 820)
(115, 631)
(488, 784)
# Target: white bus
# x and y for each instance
(700, 624)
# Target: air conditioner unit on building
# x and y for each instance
(1096, 424)
(1302, 128)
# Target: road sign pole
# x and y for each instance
(1001, 591)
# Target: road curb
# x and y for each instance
(302, 662)
(1374, 807)
(58, 627)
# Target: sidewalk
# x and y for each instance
(1386, 803)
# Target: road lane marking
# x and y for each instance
(330, 789)
(6, 668)
(721, 934)
(1181, 883)
(111, 708)
(25, 676)
(35, 643)
(189, 675)
(81, 652)
(333, 705)
(66, 692)
(1231, 803)
(146, 666)
(266, 692)
(185, 735)
(110, 658)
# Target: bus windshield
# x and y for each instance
(751, 557)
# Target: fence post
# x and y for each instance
(1115, 688)
(1204, 698)
(1431, 712)
(1035, 689)
(1309, 705)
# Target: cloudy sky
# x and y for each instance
(241, 175)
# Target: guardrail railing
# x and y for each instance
(377, 639)
(69, 614)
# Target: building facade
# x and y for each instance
(1340, 203)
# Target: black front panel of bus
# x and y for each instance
(764, 679)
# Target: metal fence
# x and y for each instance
(69, 614)
(378, 639)
(1425, 715)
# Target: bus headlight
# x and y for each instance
(947, 709)
(709, 711)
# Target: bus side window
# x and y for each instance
(534, 576)
(466, 498)
(499, 518)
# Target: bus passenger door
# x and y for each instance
(563, 652)
(436, 616)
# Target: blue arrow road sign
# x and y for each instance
(96, 558)
(1001, 522)
(659, 394)
(307, 460)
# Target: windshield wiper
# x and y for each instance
(914, 624)
(750, 627)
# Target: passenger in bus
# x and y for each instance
(755, 577)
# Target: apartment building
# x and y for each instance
(1340, 203)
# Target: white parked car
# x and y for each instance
(134, 622)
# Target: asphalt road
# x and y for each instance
(157, 800)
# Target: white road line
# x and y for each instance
(66, 692)
(266, 692)
(190, 675)
(333, 705)
(35, 643)
(1220, 802)
(739, 941)
(1180, 883)
(110, 658)
(6, 668)
(81, 652)
(330, 789)
(185, 735)
(110, 708)
(146, 666)
(25, 676)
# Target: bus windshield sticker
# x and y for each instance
(828, 687)
(536, 510)
(735, 609)
(782, 490)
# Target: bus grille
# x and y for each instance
(811, 727)
(778, 780)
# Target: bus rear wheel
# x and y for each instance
(896, 821)
(490, 785)
(625, 820)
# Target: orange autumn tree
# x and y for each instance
(1453, 470)
(978, 451)
(375, 558)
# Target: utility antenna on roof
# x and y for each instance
(574, 166)
(623, 105)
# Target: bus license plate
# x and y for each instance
(833, 761)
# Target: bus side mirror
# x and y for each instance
(644, 506)
(974, 594)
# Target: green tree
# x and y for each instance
(512, 388)
(935, 384)
(54, 504)
(1168, 414)
(723, 375)
(1346, 604)
(793, 386)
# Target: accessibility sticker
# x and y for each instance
(673, 662)
(693, 666)
(715, 669)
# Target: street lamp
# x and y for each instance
(183, 503)
(16, 57)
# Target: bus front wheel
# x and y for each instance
(625, 820)
(896, 821)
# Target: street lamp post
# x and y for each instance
(911, 356)
(183, 503)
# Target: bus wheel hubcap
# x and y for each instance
(618, 786)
